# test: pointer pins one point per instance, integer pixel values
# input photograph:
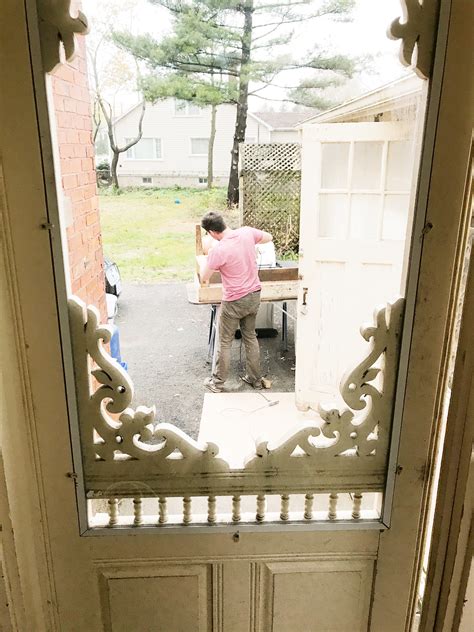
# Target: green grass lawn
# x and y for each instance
(149, 233)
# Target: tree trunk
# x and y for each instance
(210, 152)
(242, 105)
(113, 170)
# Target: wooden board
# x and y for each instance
(271, 291)
(268, 274)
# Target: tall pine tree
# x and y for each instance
(239, 43)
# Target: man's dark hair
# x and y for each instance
(213, 221)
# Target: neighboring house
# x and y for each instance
(174, 146)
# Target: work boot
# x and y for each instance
(257, 385)
(212, 386)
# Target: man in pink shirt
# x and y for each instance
(234, 257)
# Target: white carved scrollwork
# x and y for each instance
(417, 30)
(58, 26)
(126, 447)
(112, 432)
(344, 433)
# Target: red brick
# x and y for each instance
(87, 164)
(84, 137)
(74, 62)
(58, 103)
(60, 88)
(70, 105)
(66, 150)
(66, 73)
(83, 108)
(81, 80)
(72, 136)
(92, 218)
(69, 182)
(74, 242)
(76, 288)
(76, 194)
(86, 95)
(64, 119)
(71, 165)
(83, 178)
(76, 90)
(80, 150)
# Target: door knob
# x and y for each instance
(305, 294)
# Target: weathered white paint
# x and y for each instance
(356, 179)
(292, 581)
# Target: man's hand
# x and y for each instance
(205, 272)
(266, 238)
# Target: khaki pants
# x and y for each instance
(243, 313)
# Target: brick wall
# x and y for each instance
(72, 107)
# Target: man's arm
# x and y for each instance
(205, 271)
(266, 237)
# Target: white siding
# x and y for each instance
(177, 164)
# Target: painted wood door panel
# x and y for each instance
(316, 596)
(161, 598)
(354, 212)
(48, 542)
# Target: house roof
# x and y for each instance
(271, 120)
(281, 120)
(385, 98)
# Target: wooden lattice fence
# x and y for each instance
(270, 192)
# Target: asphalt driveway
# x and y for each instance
(164, 342)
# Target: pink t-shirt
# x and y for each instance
(234, 256)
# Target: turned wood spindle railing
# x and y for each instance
(162, 510)
(236, 516)
(332, 511)
(187, 514)
(137, 512)
(356, 506)
(113, 511)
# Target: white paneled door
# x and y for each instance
(356, 181)
(289, 578)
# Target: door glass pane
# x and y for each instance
(367, 166)
(334, 164)
(399, 166)
(365, 215)
(395, 217)
(333, 216)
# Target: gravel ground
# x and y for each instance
(164, 342)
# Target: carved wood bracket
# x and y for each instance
(121, 445)
(58, 27)
(417, 30)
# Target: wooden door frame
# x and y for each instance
(35, 432)
(442, 180)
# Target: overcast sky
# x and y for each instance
(364, 35)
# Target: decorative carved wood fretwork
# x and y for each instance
(417, 30)
(57, 26)
(124, 449)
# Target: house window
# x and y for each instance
(145, 149)
(199, 146)
(146, 180)
(186, 108)
(202, 180)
